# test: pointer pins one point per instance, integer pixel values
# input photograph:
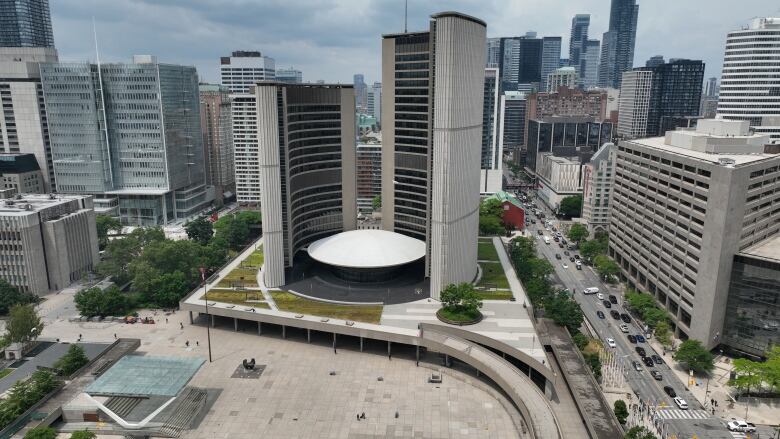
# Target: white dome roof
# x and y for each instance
(367, 249)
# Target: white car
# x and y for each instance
(681, 403)
(624, 328)
(565, 266)
(611, 343)
(600, 296)
(740, 425)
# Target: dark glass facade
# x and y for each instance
(617, 51)
(566, 138)
(25, 23)
(489, 153)
(753, 311)
(675, 92)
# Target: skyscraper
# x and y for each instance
(521, 61)
(490, 177)
(617, 50)
(216, 122)
(750, 82)
(492, 53)
(244, 68)
(711, 88)
(307, 168)
(375, 101)
(129, 134)
(25, 23)
(634, 103)
(246, 148)
(551, 57)
(577, 38)
(589, 64)
(432, 116)
(361, 92)
(655, 61)
(511, 128)
(290, 75)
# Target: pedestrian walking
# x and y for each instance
(196, 343)
(358, 417)
(181, 325)
(187, 343)
(363, 415)
(115, 336)
(166, 320)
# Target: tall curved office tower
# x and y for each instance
(432, 87)
(306, 139)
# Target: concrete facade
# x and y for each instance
(21, 173)
(246, 152)
(244, 68)
(48, 242)
(430, 170)
(558, 178)
(307, 170)
(682, 207)
(562, 77)
(634, 103)
(216, 122)
(597, 179)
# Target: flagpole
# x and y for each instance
(208, 317)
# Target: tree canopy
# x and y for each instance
(41, 433)
(751, 375)
(105, 224)
(621, 411)
(84, 434)
(460, 301)
(639, 432)
(571, 206)
(200, 229)
(376, 203)
(72, 361)
(24, 394)
(695, 356)
(606, 267)
(491, 221)
(97, 302)
(564, 311)
(10, 296)
(23, 324)
(577, 232)
(235, 228)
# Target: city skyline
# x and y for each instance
(302, 34)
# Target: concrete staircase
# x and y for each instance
(191, 402)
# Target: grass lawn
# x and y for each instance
(5, 372)
(494, 295)
(493, 275)
(254, 260)
(486, 251)
(237, 297)
(360, 313)
(458, 315)
(233, 279)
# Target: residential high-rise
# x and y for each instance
(25, 23)
(511, 132)
(655, 61)
(634, 103)
(493, 53)
(682, 207)
(432, 118)
(368, 174)
(568, 102)
(617, 45)
(711, 88)
(375, 101)
(243, 68)
(129, 134)
(290, 75)
(491, 169)
(551, 58)
(521, 61)
(21, 173)
(306, 134)
(749, 84)
(597, 179)
(589, 64)
(563, 77)
(23, 124)
(246, 149)
(674, 93)
(216, 122)
(361, 92)
(577, 38)
(48, 241)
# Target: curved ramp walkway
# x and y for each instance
(533, 405)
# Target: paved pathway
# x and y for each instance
(514, 283)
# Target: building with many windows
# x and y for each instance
(551, 58)
(246, 149)
(568, 102)
(682, 207)
(216, 122)
(634, 103)
(617, 45)
(130, 135)
(750, 83)
(243, 68)
(433, 98)
(290, 75)
(562, 77)
(557, 178)
(306, 139)
(577, 38)
(589, 65)
(375, 101)
(597, 180)
(492, 156)
(25, 23)
(47, 241)
(511, 127)
(21, 173)
(368, 175)
(573, 137)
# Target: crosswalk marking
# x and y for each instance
(741, 435)
(683, 414)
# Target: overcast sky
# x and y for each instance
(333, 39)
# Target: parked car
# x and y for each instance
(631, 338)
(600, 296)
(611, 343)
(681, 403)
(576, 256)
(560, 245)
(625, 318)
(572, 259)
(613, 299)
(557, 256)
(637, 366)
(669, 391)
(656, 359)
(640, 339)
(539, 232)
(566, 252)
(600, 314)
(657, 375)
(640, 351)
(741, 425)
(648, 361)
(614, 314)
(606, 304)
(624, 328)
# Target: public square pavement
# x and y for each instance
(297, 397)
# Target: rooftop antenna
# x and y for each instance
(103, 104)
(406, 13)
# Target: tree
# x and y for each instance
(571, 206)
(10, 296)
(105, 224)
(653, 316)
(376, 203)
(97, 302)
(772, 368)
(540, 268)
(233, 230)
(581, 340)
(749, 374)
(639, 432)
(24, 394)
(41, 433)
(695, 356)
(168, 289)
(593, 361)
(594, 247)
(621, 411)
(490, 226)
(639, 302)
(84, 434)
(663, 334)
(200, 229)
(23, 324)
(577, 232)
(606, 267)
(461, 298)
(564, 311)
(72, 361)
(491, 207)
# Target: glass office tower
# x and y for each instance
(25, 23)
